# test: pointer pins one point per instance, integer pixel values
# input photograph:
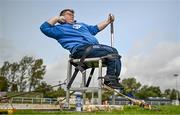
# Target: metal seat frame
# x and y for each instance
(91, 63)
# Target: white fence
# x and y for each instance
(29, 106)
(28, 100)
(30, 103)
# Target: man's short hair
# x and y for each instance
(65, 10)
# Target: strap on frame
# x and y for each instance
(81, 67)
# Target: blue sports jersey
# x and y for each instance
(71, 36)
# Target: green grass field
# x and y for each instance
(128, 110)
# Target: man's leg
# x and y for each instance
(113, 64)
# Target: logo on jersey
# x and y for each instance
(76, 26)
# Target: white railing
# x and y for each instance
(29, 100)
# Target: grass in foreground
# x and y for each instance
(135, 110)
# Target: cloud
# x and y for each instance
(155, 67)
(6, 49)
(9, 51)
(56, 72)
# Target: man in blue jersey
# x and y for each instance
(76, 37)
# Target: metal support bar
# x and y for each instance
(87, 89)
(100, 83)
(69, 73)
(83, 85)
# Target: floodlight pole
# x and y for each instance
(177, 98)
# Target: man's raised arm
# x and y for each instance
(106, 22)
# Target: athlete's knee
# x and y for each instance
(115, 51)
(113, 56)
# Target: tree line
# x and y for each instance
(25, 76)
(134, 89)
(144, 91)
(28, 74)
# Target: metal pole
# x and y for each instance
(69, 72)
(112, 32)
(83, 85)
(100, 83)
(177, 100)
(92, 99)
(112, 45)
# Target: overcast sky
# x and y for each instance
(147, 35)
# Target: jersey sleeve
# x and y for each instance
(49, 30)
(92, 29)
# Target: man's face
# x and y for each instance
(69, 17)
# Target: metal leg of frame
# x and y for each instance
(100, 83)
(84, 85)
(69, 73)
